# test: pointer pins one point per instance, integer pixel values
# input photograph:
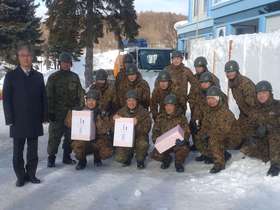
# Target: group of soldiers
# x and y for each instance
(212, 125)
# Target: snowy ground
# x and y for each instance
(242, 186)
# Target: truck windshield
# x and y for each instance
(153, 59)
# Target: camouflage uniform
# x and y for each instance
(108, 99)
(64, 93)
(157, 99)
(244, 93)
(266, 147)
(181, 76)
(165, 122)
(215, 128)
(195, 89)
(140, 86)
(101, 146)
(142, 129)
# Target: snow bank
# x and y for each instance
(257, 54)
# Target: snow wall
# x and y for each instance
(257, 54)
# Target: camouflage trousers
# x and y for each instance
(181, 153)
(57, 130)
(213, 147)
(122, 154)
(101, 148)
(265, 149)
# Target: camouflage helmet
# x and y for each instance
(200, 61)
(231, 66)
(176, 54)
(65, 57)
(131, 69)
(131, 94)
(92, 94)
(170, 99)
(214, 91)
(263, 86)
(163, 76)
(128, 58)
(205, 77)
(101, 74)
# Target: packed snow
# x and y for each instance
(243, 185)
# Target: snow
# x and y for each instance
(242, 186)
(180, 24)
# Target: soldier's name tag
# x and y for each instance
(83, 127)
(124, 132)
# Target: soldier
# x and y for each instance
(137, 83)
(165, 121)
(215, 127)
(243, 91)
(101, 146)
(180, 75)
(143, 122)
(64, 92)
(206, 81)
(121, 76)
(163, 88)
(200, 65)
(108, 99)
(263, 142)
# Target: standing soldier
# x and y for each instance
(25, 109)
(263, 143)
(215, 128)
(164, 87)
(101, 146)
(64, 93)
(121, 77)
(165, 121)
(137, 83)
(200, 64)
(180, 75)
(108, 100)
(243, 91)
(143, 122)
(206, 82)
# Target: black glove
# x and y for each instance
(52, 117)
(193, 127)
(180, 142)
(261, 131)
(274, 170)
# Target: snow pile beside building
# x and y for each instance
(257, 54)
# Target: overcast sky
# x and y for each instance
(176, 6)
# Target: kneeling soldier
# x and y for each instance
(264, 142)
(167, 120)
(142, 128)
(216, 126)
(101, 146)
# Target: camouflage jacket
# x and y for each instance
(244, 93)
(165, 122)
(64, 92)
(157, 100)
(142, 88)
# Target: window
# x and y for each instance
(200, 8)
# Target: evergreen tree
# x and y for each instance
(18, 24)
(63, 23)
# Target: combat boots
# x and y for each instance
(81, 164)
(51, 161)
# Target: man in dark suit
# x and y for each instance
(25, 109)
